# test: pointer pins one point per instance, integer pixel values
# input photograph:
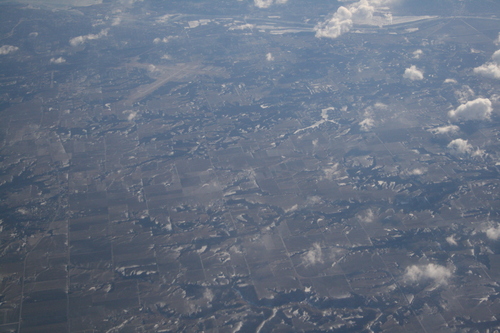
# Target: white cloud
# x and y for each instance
(6, 49)
(464, 94)
(451, 129)
(131, 115)
(460, 146)
(368, 216)
(343, 19)
(450, 81)
(339, 23)
(451, 240)
(314, 255)
(59, 60)
(116, 21)
(242, 27)
(493, 232)
(413, 73)
(268, 3)
(82, 39)
(379, 105)
(165, 18)
(269, 57)
(367, 124)
(129, 2)
(331, 172)
(313, 200)
(439, 274)
(490, 69)
(417, 54)
(417, 172)
(152, 68)
(158, 40)
(478, 109)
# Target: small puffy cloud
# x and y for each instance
(448, 129)
(417, 172)
(269, 57)
(493, 232)
(367, 124)
(131, 115)
(6, 49)
(490, 69)
(450, 81)
(268, 3)
(82, 39)
(437, 273)
(478, 109)
(417, 54)
(152, 68)
(59, 60)
(158, 40)
(413, 73)
(314, 255)
(460, 146)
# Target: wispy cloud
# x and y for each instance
(59, 60)
(6, 49)
(242, 27)
(366, 124)
(82, 39)
(437, 273)
(451, 240)
(332, 171)
(448, 129)
(268, 3)
(368, 216)
(314, 255)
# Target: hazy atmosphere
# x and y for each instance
(249, 166)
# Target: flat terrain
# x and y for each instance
(186, 168)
